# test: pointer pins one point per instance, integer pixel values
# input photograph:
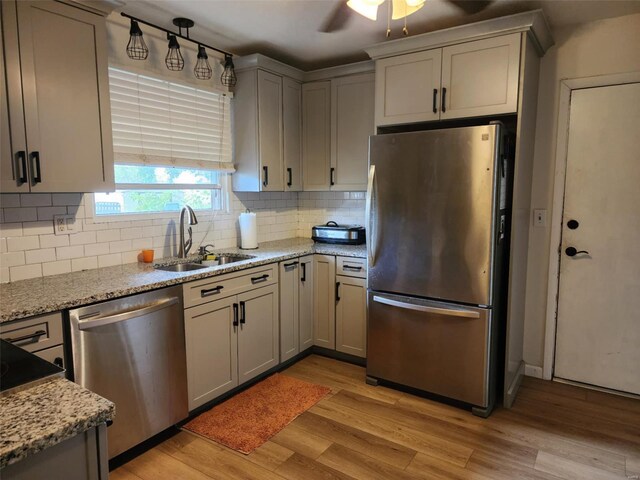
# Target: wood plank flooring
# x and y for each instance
(554, 431)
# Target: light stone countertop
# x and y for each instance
(26, 298)
(42, 416)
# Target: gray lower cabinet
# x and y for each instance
(231, 340)
(351, 315)
(212, 350)
(82, 457)
(296, 306)
(324, 301)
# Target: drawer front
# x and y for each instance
(215, 288)
(35, 333)
(352, 267)
(54, 355)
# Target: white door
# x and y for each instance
(598, 334)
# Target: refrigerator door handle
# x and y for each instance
(368, 206)
(424, 308)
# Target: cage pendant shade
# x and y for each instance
(174, 60)
(136, 48)
(202, 69)
(228, 78)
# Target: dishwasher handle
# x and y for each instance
(120, 317)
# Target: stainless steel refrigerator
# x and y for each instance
(437, 214)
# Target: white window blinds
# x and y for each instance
(157, 122)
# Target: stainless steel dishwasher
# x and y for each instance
(132, 352)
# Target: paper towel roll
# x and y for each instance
(248, 230)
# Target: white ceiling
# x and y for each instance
(288, 30)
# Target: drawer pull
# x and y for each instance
(289, 265)
(260, 279)
(211, 291)
(36, 334)
(349, 267)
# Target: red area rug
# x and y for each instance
(247, 420)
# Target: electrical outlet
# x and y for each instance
(539, 218)
(64, 224)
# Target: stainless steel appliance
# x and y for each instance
(436, 213)
(331, 232)
(132, 352)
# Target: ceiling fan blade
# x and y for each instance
(471, 6)
(338, 18)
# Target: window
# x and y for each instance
(172, 146)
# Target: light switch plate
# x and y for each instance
(539, 217)
(64, 224)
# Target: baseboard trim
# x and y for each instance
(532, 371)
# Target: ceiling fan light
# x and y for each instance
(366, 8)
(403, 8)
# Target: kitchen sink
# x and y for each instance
(181, 267)
(189, 266)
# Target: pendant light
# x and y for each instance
(202, 69)
(174, 60)
(136, 48)
(228, 77)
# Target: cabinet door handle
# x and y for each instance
(290, 173)
(292, 264)
(444, 99)
(265, 179)
(435, 95)
(36, 334)
(21, 164)
(304, 272)
(337, 291)
(235, 315)
(210, 291)
(35, 163)
(331, 172)
(243, 314)
(353, 269)
(260, 279)
(58, 362)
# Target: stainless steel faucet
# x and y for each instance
(186, 246)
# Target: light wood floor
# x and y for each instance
(361, 432)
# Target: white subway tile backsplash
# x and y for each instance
(17, 244)
(75, 251)
(280, 215)
(8, 200)
(96, 249)
(55, 268)
(25, 272)
(47, 213)
(12, 259)
(27, 214)
(82, 238)
(40, 256)
(47, 241)
(66, 199)
(109, 260)
(37, 228)
(85, 263)
(108, 235)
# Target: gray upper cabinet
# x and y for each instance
(267, 133)
(57, 85)
(292, 132)
(465, 80)
(352, 110)
(316, 135)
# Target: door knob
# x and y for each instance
(572, 251)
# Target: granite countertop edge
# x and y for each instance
(27, 298)
(42, 416)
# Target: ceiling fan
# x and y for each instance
(399, 8)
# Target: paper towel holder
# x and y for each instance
(248, 211)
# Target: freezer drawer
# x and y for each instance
(433, 346)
